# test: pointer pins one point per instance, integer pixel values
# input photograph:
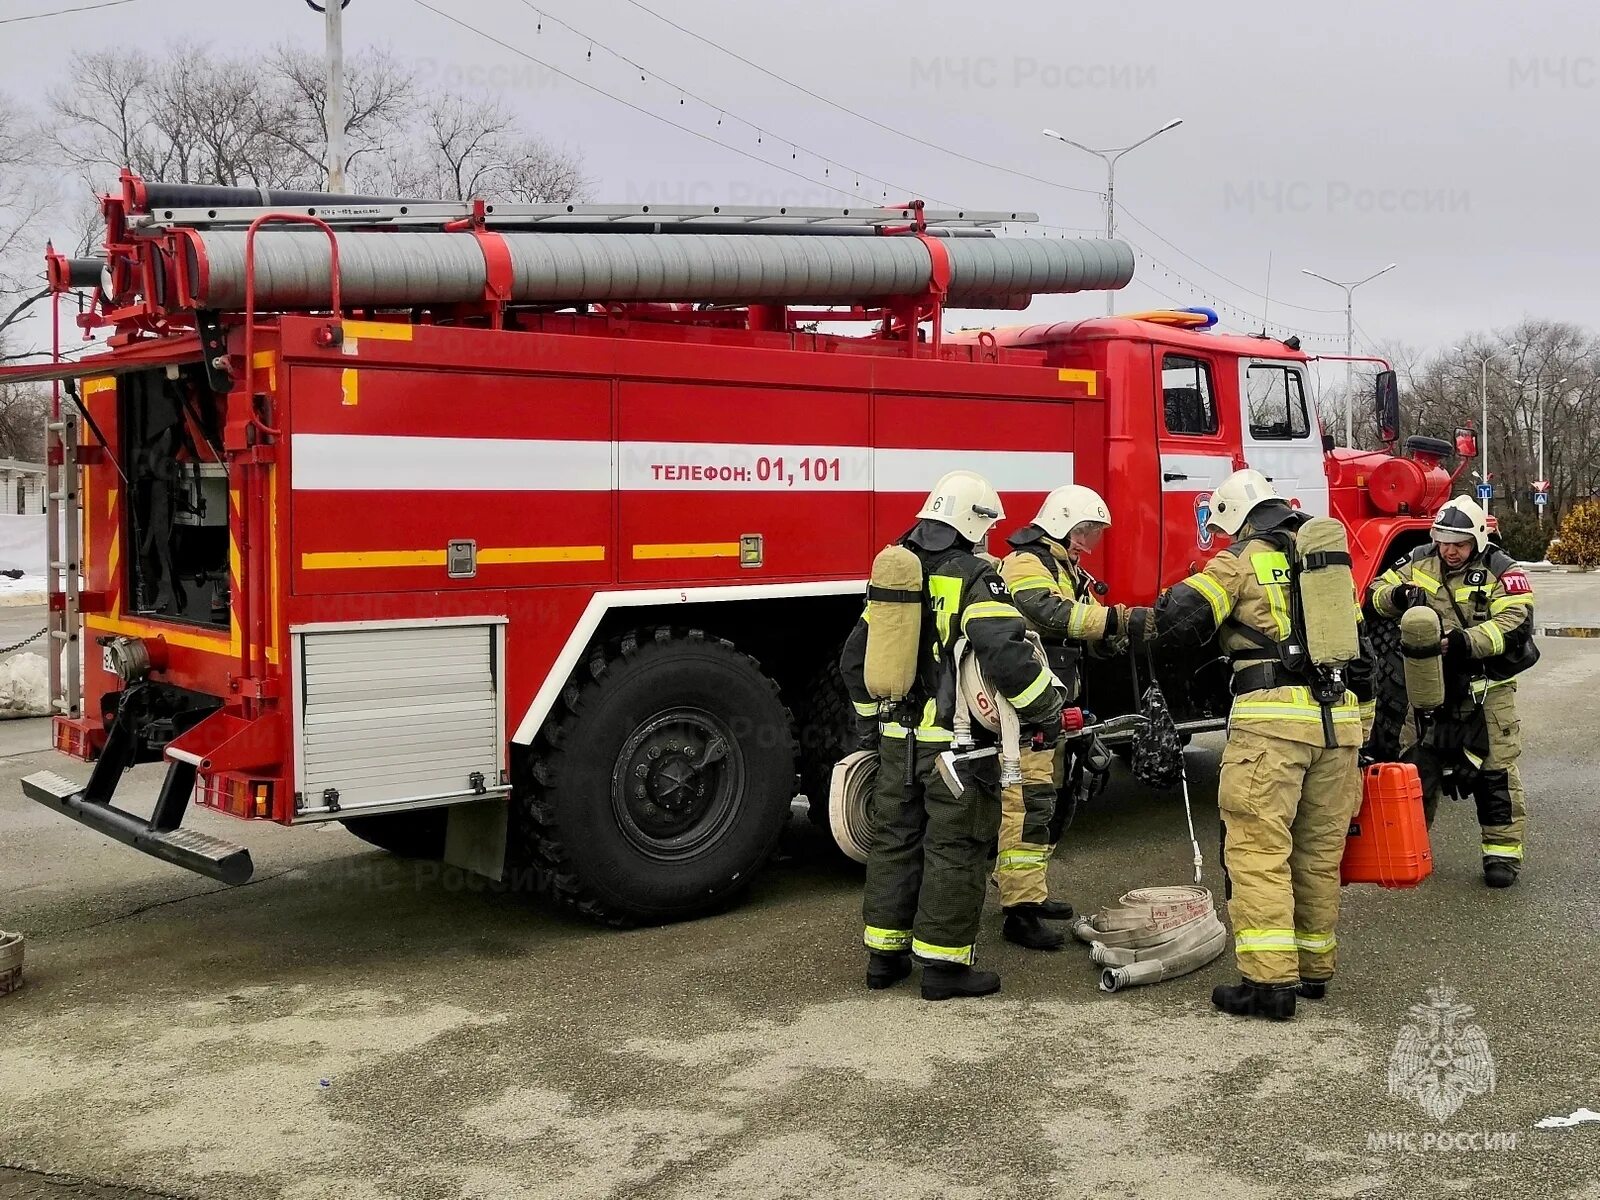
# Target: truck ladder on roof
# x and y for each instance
(568, 218)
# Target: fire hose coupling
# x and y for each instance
(130, 659)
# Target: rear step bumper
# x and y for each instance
(199, 852)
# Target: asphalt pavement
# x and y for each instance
(360, 1027)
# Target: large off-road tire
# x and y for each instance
(826, 728)
(661, 784)
(408, 834)
(1388, 686)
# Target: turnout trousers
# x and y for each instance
(930, 853)
(1287, 807)
(1027, 819)
(1486, 742)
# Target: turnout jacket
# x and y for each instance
(1244, 590)
(1488, 597)
(1056, 597)
(963, 596)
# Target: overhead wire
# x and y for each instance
(62, 12)
(848, 111)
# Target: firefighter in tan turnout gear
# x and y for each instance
(1290, 782)
(1056, 596)
(930, 850)
(1485, 606)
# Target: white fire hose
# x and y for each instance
(1152, 934)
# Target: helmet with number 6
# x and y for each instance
(1068, 507)
(965, 501)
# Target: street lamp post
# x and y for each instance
(1483, 437)
(1539, 399)
(333, 101)
(1349, 344)
(1109, 156)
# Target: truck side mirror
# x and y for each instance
(1467, 443)
(1386, 405)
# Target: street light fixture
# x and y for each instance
(1109, 156)
(1349, 344)
(1483, 437)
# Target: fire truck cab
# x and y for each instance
(527, 537)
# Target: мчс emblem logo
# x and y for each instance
(1202, 514)
(1441, 1058)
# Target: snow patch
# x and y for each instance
(24, 686)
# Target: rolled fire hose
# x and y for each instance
(1152, 934)
(849, 807)
(976, 700)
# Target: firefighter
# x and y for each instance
(1057, 598)
(930, 851)
(1485, 605)
(1290, 782)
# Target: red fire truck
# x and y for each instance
(527, 536)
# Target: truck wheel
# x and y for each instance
(408, 834)
(663, 783)
(829, 720)
(1389, 688)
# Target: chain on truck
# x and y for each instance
(526, 537)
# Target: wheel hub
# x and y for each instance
(677, 775)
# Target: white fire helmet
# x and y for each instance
(1461, 520)
(1236, 497)
(966, 502)
(1068, 507)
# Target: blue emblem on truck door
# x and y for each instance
(1202, 514)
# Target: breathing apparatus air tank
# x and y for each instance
(894, 624)
(1327, 593)
(1420, 634)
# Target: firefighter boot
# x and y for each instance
(1055, 910)
(945, 981)
(1024, 925)
(886, 970)
(1247, 998)
(1313, 989)
(1499, 872)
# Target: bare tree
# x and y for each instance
(468, 147)
(378, 103)
(23, 199)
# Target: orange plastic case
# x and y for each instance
(1388, 842)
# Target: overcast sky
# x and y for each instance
(1455, 139)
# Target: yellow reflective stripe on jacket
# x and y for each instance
(952, 954)
(928, 733)
(1264, 941)
(1215, 595)
(1501, 603)
(1502, 850)
(1029, 583)
(878, 938)
(865, 708)
(1424, 581)
(1298, 707)
(989, 608)
(1316, 943)
(1391, 577)
(1032, 692)
(1078, 619)
(1497, 639)
(944, 595)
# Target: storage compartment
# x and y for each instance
(177, 517)
(398, 714)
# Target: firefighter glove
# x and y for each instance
(865, 733)
(1141, 624)
(1457, 644)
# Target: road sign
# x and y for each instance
(1541, 485)
(1485, 491)
(1541, 498)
